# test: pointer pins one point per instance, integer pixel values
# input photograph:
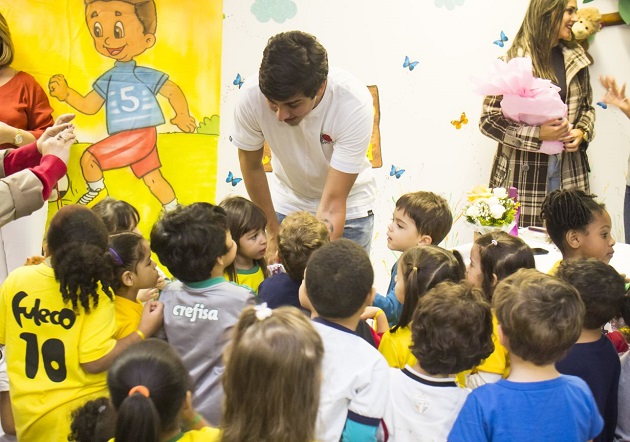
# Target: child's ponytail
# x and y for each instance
(422, 268)
(138, 419)
(77, 244)
(148, 385)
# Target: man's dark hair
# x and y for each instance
(293, 63)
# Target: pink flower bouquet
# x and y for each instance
(526, 99)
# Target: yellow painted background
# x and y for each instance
(51, 37)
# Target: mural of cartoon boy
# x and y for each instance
(122, 30)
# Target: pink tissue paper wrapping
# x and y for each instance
(526, 99)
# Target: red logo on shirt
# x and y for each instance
(326, 139)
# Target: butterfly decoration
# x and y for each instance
(232, 179)
(500, 43)
(238, 81)
(397, 172)
(462, 120)
(410, 64)
(602, 105)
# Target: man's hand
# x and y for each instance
(271, 255)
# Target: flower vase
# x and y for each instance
(479, 230)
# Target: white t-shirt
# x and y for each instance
(354, 381)
(335, 134)
(421, 408)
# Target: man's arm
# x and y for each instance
(332, 207)
(257, 187)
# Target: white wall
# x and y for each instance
(371, 39)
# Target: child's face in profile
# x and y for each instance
(253, 244)
(473, 271)
(402, 233)
(597, 241)
(116, 30)
(146, 269)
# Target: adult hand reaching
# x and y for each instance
(62, 123)
(615, 95)
(58, 145)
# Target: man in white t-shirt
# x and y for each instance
(318, 125)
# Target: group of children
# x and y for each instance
(448, 353)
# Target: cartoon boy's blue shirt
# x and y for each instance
(129, 92)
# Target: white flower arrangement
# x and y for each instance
(490, 209)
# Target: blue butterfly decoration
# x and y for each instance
(395, 171)
(602, 105)
(238, 81)
(410, 64)
(502, 41)
(231, 179)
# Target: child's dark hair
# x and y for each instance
(300, 234)
(144, 414)
(293, 63)
(77, 244)
(189, 239)
(95, 421)
(118, 216)
(421, 269)
(339, 278)
(127, 251)
(501, 254)
(601, 287)
(568, 209)
(243, 216)
(451, 329)
(541, 316)
(430, 212)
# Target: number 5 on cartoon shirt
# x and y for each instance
(123, 29)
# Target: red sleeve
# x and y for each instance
(49, 169)
(22, 158)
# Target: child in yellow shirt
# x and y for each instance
(419, 270)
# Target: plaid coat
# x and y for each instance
(517, 162)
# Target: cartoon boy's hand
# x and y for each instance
(185, 122)
(58, 87)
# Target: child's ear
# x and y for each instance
(424, 240)
(495, 280)
(503, 340)
(187, 412)
(572, 239)
(127, 278)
